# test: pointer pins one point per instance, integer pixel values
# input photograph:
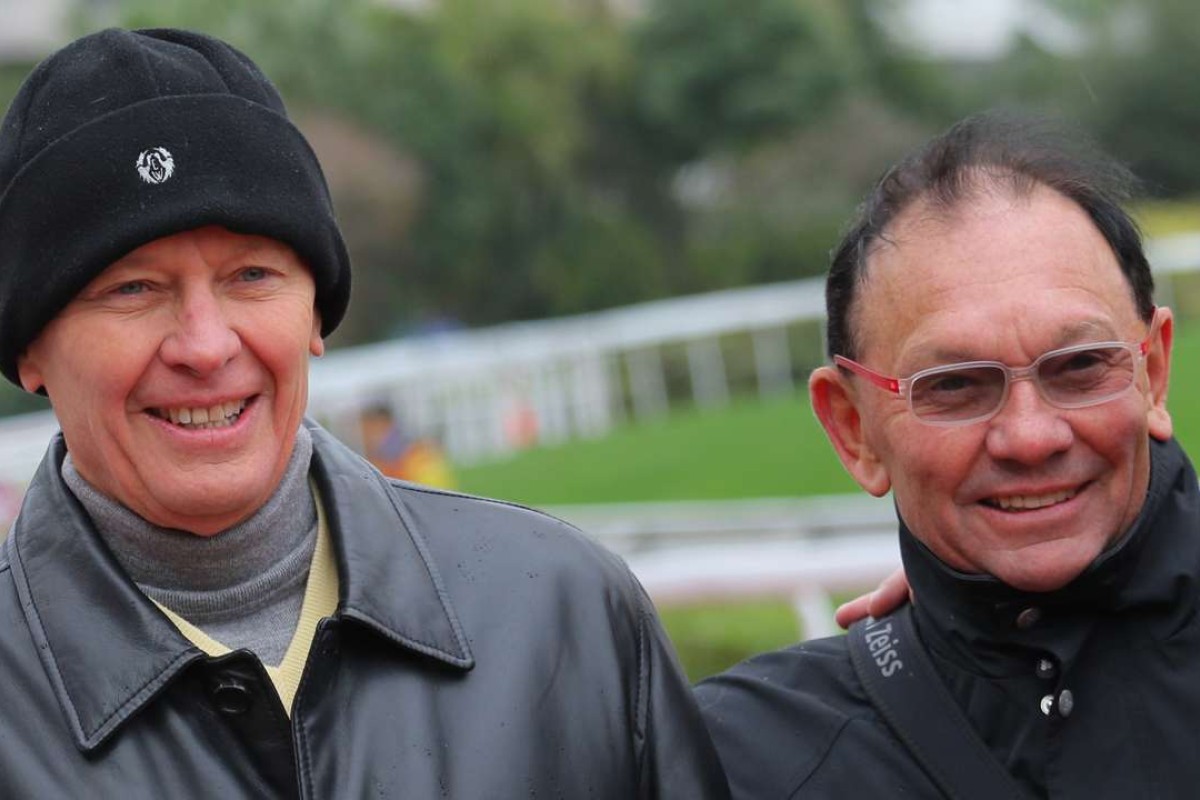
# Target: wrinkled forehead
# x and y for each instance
(212, 244)
(980, 264)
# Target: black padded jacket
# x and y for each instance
(1091, 691)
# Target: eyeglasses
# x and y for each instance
(958, 394)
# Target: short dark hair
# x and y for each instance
(989, 150)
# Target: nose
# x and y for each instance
(201, 340)
(1027, 429)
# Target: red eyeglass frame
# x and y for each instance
(900, 386)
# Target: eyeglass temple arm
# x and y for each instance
(893, 384)
(882, 381)
(1144, 348)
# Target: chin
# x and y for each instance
(1045, 571)
(206, 514)
(1038, 583)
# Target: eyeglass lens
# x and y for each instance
(1071, 379)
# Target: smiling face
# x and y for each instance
(1035, 493)
(180, 375)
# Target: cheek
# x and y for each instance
(106, 375)
(282, 344)
(91, 398)
(1119, 434)
(928, 465)
(114, 374)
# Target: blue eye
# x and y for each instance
(253, 274)
(131, 288)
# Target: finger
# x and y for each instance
(849, 613)
(893, 592)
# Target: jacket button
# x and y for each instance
(1029, 617)
(1045, 669)
(231, 696)
(1066, 702)
(1047, 705)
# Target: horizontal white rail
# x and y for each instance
(629, 528)
(799, 549)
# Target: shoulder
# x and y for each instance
(445, 501)
(470, 516)
(502, 535)
(778, 718)
(462, 527)
(807, 691)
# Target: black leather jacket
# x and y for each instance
(1123, 639)
(479, 650)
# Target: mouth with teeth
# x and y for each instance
(221, 415)
(1030, 502)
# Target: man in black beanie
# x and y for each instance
(206, 595)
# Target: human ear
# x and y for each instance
(837, 407)
(1158, 373)
(30, 373)
(316, 345)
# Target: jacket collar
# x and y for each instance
(107, 649)
(389, 581)
(1151, 575)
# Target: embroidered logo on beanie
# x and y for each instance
(156, 165)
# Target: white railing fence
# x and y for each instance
(799, 549)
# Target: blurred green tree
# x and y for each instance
(1145, 56)
(552, 157)
(771, 118)
(541, 143)
(726, 74)
(1126, 78)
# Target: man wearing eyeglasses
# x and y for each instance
(998, 364)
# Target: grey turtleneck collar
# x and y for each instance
(244, 586)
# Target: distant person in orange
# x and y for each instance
(420, 460)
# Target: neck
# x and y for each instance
(165, 558)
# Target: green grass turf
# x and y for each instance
(748, 449)
(1183, 398)
(711, 638)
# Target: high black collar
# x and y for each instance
(1149, 576)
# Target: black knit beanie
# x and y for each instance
(123, 137)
